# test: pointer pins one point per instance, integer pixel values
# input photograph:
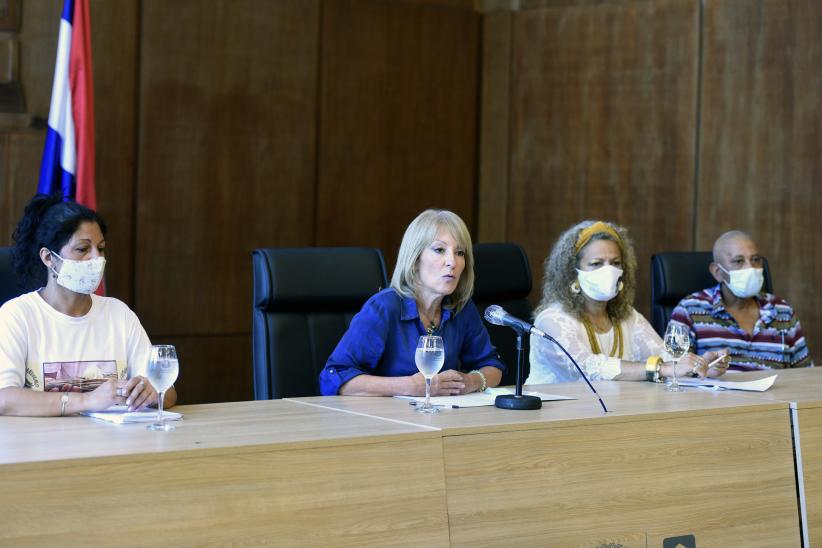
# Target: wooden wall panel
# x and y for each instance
(398, 119)
(494, 137)
(226, 154)
(20, 153)
(22, 149)
(213, 368)
(114, 42)
(761, 140)
(603, 124)
(38, 40)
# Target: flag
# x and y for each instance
(68, 157)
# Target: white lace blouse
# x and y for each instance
(550, 365)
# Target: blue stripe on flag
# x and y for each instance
(68, 11)
(53, 178)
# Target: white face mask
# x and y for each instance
(745, 282)
(600, 284)
(80, 276)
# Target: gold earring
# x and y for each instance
(575, 289)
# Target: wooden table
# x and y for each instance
(715, 465)
(370, 471)
(234, 474)
(802, 389)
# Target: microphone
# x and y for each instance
(497, 315)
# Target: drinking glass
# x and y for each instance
(677, 342)
(162, 371)
(430, 356)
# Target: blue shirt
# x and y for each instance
(382, 340)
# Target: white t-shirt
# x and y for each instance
(43, 349)
(549, 364)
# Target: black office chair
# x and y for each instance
(503, 277)
(304, 299)
(9, 282)
(676, 275)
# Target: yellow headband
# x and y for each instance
(598, 227)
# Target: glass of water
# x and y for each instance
(429, 358)
(162, 371)
(677, 342)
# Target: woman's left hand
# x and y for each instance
(139, 393)
(471, 381)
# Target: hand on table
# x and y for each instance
(445, 383)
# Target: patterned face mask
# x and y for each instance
(80, 276)
(745, 282)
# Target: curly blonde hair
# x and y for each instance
(561, 271)
(419, 235)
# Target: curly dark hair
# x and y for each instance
(48, 221)
(561, 271)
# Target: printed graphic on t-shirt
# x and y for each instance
(31, 379)
(77, 376)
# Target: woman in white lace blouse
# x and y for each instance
(587, 298)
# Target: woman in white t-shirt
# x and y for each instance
(64, 350)
(587, 298)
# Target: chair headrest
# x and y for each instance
(675, 275)
(501, 272)
(317, 278)
(678, 274)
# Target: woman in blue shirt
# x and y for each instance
(430, 293)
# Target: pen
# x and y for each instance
(412, 402)
(715, 361)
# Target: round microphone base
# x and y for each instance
(510, 401)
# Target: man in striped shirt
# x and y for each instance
(760, 330)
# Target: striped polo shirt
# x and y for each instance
(777, 341)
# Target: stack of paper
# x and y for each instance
(120, 414)
(759, 385)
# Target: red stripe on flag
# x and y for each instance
(82, 94)
(81, 80)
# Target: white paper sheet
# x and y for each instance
(121, 415)
(479, 399)
(759, 385)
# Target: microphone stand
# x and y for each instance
(517, 401)
(496, 315)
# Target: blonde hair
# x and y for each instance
(561, 270)
(420, 233)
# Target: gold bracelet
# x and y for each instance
(652, 366)
(484, 380)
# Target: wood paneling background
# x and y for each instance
(21, 150)
(230, 125)
(603, 124)
(761, 147)
(227, 148)
(116, 25)
(397, 119)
